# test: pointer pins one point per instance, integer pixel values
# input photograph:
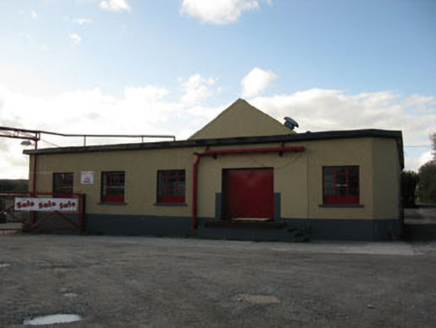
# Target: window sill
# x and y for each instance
(170, 204)
(110, 204)
(342, 205)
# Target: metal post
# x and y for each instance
(34, 180)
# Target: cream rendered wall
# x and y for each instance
(241, 120)
(289, 178)
(340, 152)
(387, 172)
(297, 177)
(140, 172)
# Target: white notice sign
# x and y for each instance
(87, 177)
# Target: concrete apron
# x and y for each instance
(280, 230)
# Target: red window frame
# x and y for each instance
(63, 184)
(171, 186)
(341, 185)
(112, 187)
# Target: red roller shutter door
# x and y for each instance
(248, 193)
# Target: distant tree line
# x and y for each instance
(14, 185)
(426, 191)
(420, 186)
(7, 185)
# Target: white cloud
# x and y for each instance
(34, 14)
(195, 89)
(31, 40)
(75, 39)
(217, 12)
(82, 21)
(323, 110)
(256, 81)
(145, 94)
(149, 110)
(142, 110)
(414, 163)
(421, 102)
(115, 5)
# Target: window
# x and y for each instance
(112, 187)
(340, 185)
(171, 186)
(62, 184)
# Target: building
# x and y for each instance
(243, 176)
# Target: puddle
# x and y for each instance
(257, 299)
(4, 265)
(52, 319)
(67, 293)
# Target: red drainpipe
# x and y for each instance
(194, 192)
(34, 169)
(209, 152)
(254, 150)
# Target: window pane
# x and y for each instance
(341, 185)
(113, 186)
(341, 176)
(328, 180)
(171, 186)
(353, 180)
(63, 183)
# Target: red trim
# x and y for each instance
(254, 150)
(171, 199)
(113, 199)
(336, 199)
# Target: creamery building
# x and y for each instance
(243, 176)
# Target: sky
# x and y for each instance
(169, 67)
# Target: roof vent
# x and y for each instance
(290, 123)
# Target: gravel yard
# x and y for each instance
(159, 282)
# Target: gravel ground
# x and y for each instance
(159, 282)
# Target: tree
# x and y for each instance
(13, 185)
(427, 183)
(409, 181)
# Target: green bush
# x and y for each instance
(409, 181)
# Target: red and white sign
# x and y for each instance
(87, 177)
(46, 204)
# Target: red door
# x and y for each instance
(248, 193)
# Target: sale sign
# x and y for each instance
(46, 204)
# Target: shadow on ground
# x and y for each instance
(420, 224)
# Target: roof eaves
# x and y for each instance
(308, 136)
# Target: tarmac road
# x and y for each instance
(160, 282)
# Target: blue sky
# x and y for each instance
(126, 66)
